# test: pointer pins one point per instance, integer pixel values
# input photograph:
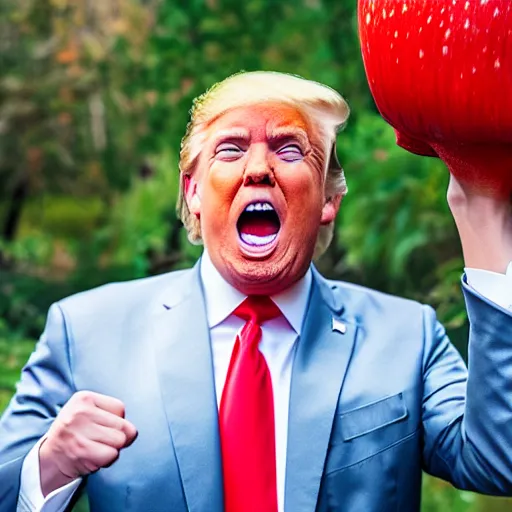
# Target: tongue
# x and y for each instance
(258, 226)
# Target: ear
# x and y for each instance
(330, 209)
(191, 195)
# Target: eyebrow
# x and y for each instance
(233, 134)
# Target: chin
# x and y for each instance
(265, 276)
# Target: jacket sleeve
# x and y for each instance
(467, 415)
(46, 385)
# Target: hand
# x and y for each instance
(87, 435)
(484, 222)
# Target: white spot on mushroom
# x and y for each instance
(384, 13)
(396, 34)
(441, 25)
(397, 60)
(466, 6)
(461, 76)
(466, 25)
(422, 53)
(497, 64)
(484, 49)
(392, 13)
(451, 18)
(473, 70)
(368, 18)
(404, 8)
(420, 30)
(445, 50)
(442, 10)
(483, 2)
(391, 46)
(496, 12)
(447, 34)
(407, 35)
(429, 19)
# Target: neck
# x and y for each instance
(259, 278)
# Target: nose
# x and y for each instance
(259, 171)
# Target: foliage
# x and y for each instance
(14, 351)
(439, 496)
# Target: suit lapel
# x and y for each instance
(321, 361)
(184, 362)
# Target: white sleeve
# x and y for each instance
(493, 286)
(31, 497)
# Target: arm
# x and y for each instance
(46, 384)
(484, 223)
(467, 436)
(467, 417)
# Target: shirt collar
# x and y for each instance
(222, 299)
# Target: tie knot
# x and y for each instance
(258, 308)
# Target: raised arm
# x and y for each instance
(467, 434)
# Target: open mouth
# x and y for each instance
(259, 224)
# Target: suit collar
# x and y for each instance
(330, 292)
(320, 366)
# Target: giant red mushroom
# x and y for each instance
(440, 72)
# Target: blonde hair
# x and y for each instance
(319, 103)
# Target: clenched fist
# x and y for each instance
(87, 435)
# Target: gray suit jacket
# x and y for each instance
(377, 394)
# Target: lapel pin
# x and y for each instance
(338, 326)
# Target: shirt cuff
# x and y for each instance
(31, 497)
(492, 285)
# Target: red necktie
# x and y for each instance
(247, 417)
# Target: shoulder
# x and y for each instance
(361, 302)
(388, 323)
(125, 295)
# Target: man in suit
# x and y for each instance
(251, 383)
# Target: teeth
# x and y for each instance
(257, 240)
(259, 207)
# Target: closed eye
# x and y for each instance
(228, 151)
(290, 153)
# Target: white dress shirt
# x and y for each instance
(278, 343)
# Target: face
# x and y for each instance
(258, 190)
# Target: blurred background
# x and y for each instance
(94, 99)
